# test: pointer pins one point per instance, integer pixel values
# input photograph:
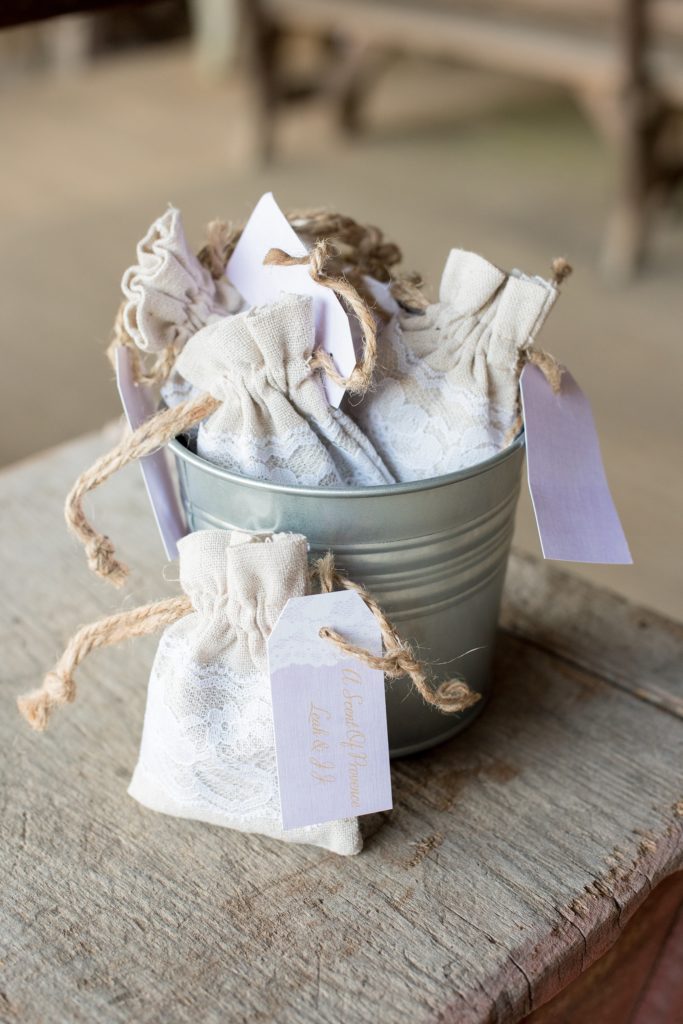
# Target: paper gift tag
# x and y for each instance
(575, 514)
(329, 712)
(268, 228)
(138, 405)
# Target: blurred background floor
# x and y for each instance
(449, 158)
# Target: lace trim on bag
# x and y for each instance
(299, 457)
(208, 739)
(428, 438)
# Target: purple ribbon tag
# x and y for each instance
(138, 405)
(575, 514)
(329, 712)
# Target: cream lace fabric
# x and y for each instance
(169, 294)
(208, 747)
(448, 391)
(274, 422)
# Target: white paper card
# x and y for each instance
(329, 712)
(268, 228)
(575, 514)
(138, 405)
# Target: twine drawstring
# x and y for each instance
(548, 365)
(59, 687)
(165, 425)
(399, 659)
(360, 378)
(148, 438)
(362, 247)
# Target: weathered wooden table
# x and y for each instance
(515, 857)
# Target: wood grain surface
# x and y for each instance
(514, 857)
(640, 979)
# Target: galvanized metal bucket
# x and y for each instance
(433, 552)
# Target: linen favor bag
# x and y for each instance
(208, 746)
(448, 393)
(274, 422)
(256, 406)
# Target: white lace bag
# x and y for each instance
(208, 747)
(447, 396)
(274, 422)
(208, 744)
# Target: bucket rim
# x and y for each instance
(181, 451)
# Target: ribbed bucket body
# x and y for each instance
(434, 554)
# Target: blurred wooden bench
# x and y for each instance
(22, 12)
(622, 59)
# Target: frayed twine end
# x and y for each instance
(454, 695)
(561, 269)
(37, 706)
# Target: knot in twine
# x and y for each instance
(99, 552)
(399, 659)
(36, 707)
(360, 378)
